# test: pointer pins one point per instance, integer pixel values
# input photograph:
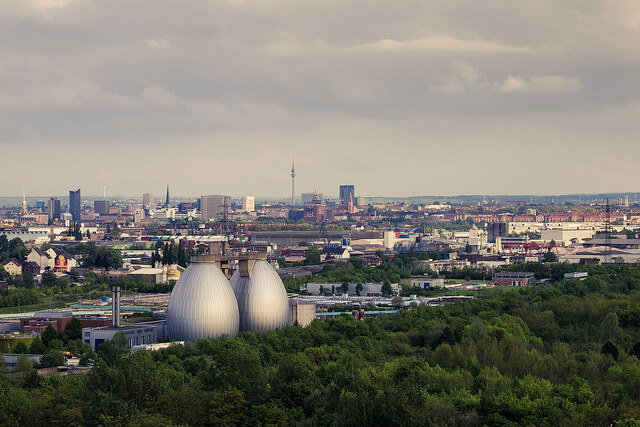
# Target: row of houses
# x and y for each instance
(55, 259)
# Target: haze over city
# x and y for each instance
(403, 98)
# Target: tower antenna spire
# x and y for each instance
(293, 182)
(24, 201)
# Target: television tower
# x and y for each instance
(24, 203)
(607, 235)
(293, 184)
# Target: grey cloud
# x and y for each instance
(351, 88)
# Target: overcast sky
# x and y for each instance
(403, 97)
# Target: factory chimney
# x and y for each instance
(115, 306)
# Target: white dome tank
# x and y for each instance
(202, 304)
(262, 298)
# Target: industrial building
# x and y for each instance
(202, 304)
(205, 304)
(59, 320)
(12, 359)
(427, 283)
(262, 299)
(135, 334)
(513, 279)
(368, 289)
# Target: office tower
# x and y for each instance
(213, 207)
(166, 202)
(495, 230)
(347, 191)
(361, 201)
(53, 209)
(147, 200)
(75, 205)
(293, 184)
(248, 204)
(101, 207)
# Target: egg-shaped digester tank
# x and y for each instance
(262, 298)
(202, 304)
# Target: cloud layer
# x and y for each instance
(218, 96)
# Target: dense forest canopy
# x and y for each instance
(565, 353)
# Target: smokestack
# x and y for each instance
(115, 306)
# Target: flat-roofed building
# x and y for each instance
(427, 283)
(213, 207)
(101, 207)
(248, 204)
(37, 323)
(513, 279)
(135, 335)
(301, 312)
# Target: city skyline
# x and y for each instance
(499, 98)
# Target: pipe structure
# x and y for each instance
(115, 306)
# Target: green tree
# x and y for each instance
(74, 329)
(345, 287)
(228, 408)
(17, 249)
(386, 289)
(20, 348)
(52, 358)
(76, 232)
(397, 302)
(48, 335)
(610, 349)
(37, 346)
(48, 279)
(27, 279)
(550, 256)
(313, 256)
(359, 288)
(23, 364)
(108, 258)
(120, 340)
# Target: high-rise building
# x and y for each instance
(213, 207)
(316, 210)
(308, 197)
(147, 200)
(346, 192)
(53, 208)
(248, 204)
(75, 205)
(166, 202)
(101, 207)
(361, 201)
(495, 230)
